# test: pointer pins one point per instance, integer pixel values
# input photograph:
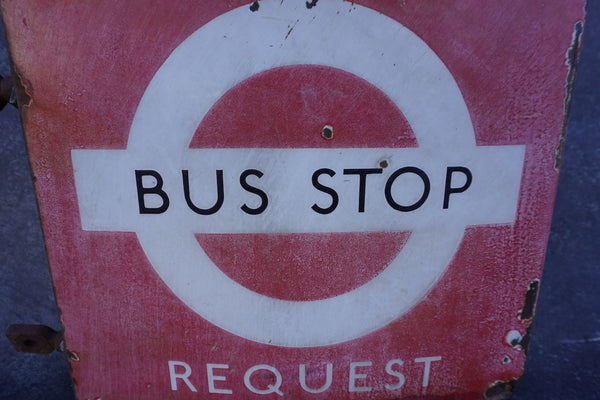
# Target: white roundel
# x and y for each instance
(238, 45)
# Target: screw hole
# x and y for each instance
(327, 132)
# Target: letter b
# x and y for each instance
(156, 189)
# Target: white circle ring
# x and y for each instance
(240, 44)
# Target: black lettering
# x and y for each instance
(255, 190)
(362, 183)
(157, 190)
(390, 182)
(220, 194)
(448, 190)
(326, 189)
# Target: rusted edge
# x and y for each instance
(522, 342)
(501, 390)
(20, 95)
(21, 90)
(526, 315)
(531, 296)
(572, 60)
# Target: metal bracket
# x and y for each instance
(7, 92)
(39, 339)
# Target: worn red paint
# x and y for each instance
(85, 68)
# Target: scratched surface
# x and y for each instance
(574, 225)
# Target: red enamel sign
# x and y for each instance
(306, 200)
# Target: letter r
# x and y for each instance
(187, 371)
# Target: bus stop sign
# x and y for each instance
(294, 199)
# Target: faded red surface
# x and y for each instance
(275, 109)
(85, 67)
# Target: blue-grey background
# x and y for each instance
(564, 354)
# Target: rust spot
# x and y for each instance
(311, 4)
(502, 390)
(254, 6)
(572, 61)
(513, 338)
(383, 164)
(520, 342)
(528, 310)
